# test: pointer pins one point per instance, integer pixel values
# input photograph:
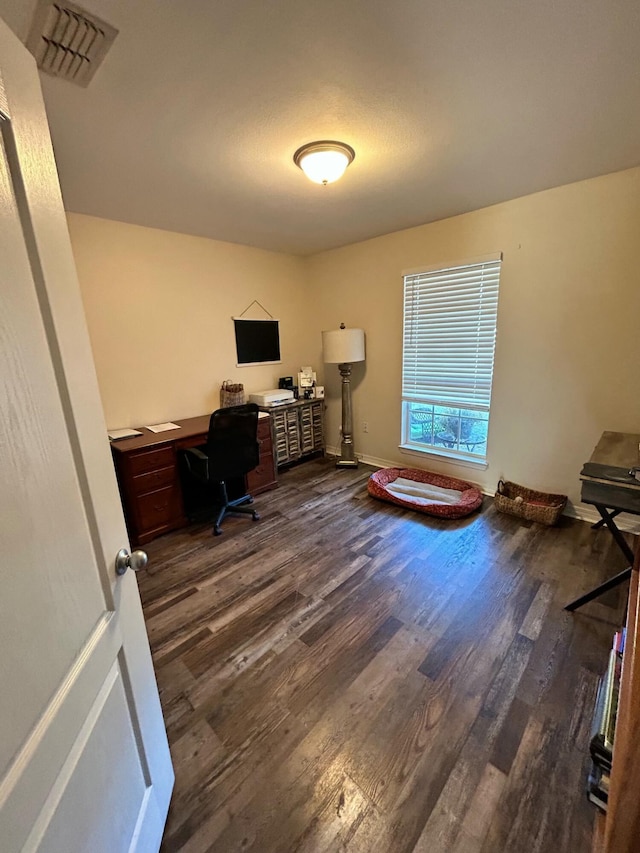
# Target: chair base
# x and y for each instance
(235, 506)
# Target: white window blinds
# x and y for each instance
(449, 334)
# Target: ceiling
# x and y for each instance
(191, 123)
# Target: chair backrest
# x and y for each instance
(232, 443)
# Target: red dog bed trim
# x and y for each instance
(470, 499)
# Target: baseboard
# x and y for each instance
(368, 460)
(583, 512)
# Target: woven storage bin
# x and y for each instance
(542, 507)
(231, 394)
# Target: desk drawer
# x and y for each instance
(192, 441)
(263, 476)
(143, 483)
(266, 445)
(156, 508)
(151, 460)
(260, 477)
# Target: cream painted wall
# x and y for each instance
(567, 367)
(159, 308)
(568, 350)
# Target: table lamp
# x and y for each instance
(344, 347)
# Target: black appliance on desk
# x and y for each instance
(286, 382)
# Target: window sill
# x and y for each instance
(442, 456)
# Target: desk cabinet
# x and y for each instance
(297, 430)
(149, 478)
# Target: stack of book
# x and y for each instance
(604, 725)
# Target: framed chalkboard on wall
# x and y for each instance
(257, 341)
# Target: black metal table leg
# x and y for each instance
(607, 518)
(621, 577)
(602, 521)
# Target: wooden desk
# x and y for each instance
(149, 477)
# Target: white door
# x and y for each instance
(84, 760)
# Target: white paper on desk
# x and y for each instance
(163, 427)
(115, 434)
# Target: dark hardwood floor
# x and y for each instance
(347, 676)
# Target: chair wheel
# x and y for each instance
(255, 516)
(217, 531)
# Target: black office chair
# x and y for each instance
(231, 451)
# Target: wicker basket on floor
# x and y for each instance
(543, 507)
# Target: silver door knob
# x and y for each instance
(136, 561)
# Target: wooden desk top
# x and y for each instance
(188, 428)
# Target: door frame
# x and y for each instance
(46, 235)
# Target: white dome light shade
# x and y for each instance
(324, 162)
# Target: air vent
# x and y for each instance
(69, 42)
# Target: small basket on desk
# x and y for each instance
(543, 507)
(231, 394)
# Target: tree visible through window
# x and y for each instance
(448, 350)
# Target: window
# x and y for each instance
(447, 367)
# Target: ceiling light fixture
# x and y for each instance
(324, 162)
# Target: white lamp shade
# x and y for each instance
(324, 162)
(324, 167)
(343, 346)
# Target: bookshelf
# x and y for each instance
(618, 830)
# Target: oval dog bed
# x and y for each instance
(424, 491)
